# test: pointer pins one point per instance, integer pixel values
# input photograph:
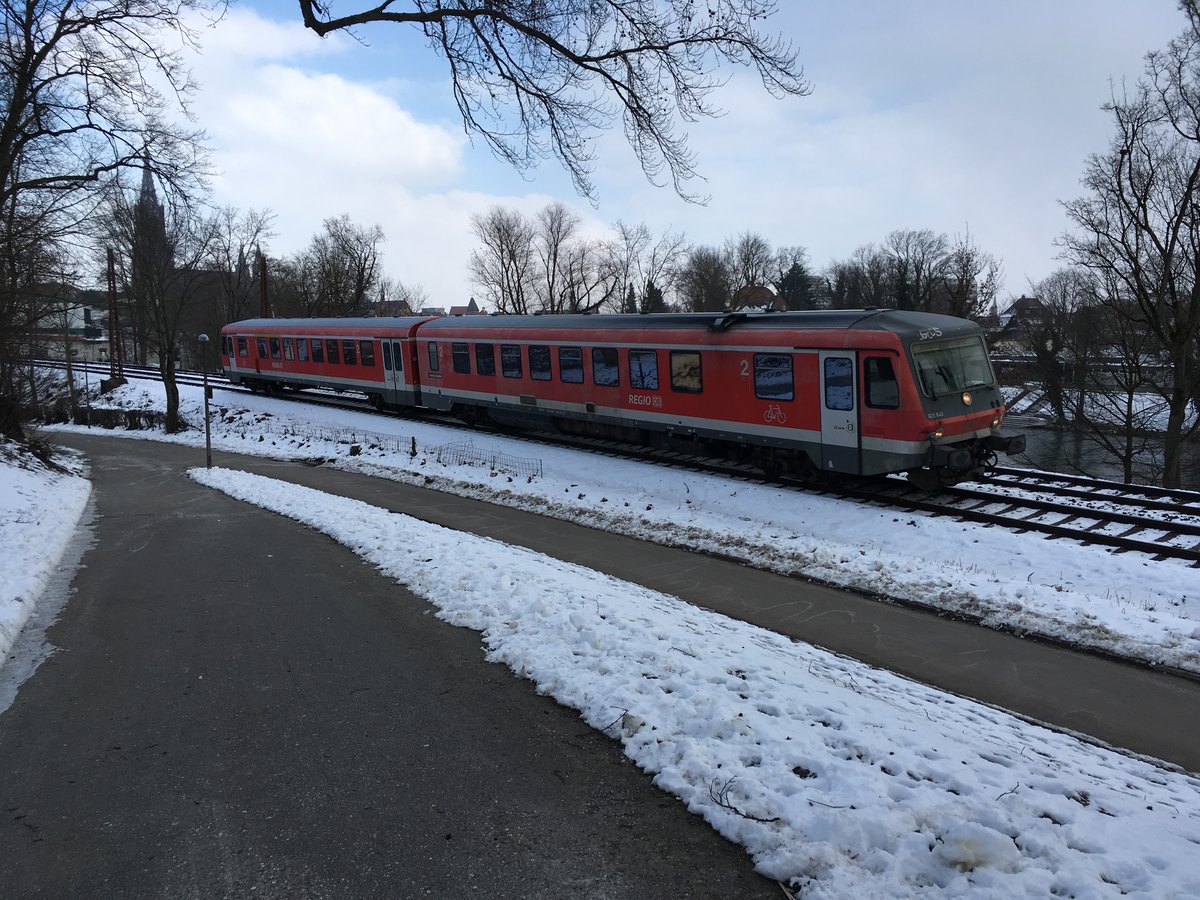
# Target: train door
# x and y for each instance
(393, 370)
(839, 412)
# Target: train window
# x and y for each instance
(570, 365)
(289, 348)
(302, 349)
(686, 376)
(880, 378)
(434, 363)
(349, 357)
(485, 359)
(643, 369)
(461, 356)
(398, 355)
(510, 360)
(331, 350)
(366, 352)
(606, 370)
(243, 347)
(318, 351)
(387, 355)
(773, 377)
(274, 348)
(262, 347)
(539, 362)
(839, 383)
(948, 367)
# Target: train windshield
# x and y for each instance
(947, 367)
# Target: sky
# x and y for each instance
(961, 118)
(840, 778)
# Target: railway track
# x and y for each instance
(1158, 522)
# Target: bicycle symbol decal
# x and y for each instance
(774, 415)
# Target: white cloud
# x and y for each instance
(943, 116)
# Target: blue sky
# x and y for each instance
(939, 114)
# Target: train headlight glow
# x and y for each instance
(966, 398)
(935, 435)
(996, 423)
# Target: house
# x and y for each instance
(471, 309)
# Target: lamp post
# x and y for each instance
(203, 339)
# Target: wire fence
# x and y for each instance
(464, 453)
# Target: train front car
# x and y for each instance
(953, 428)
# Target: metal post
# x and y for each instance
(203, 339)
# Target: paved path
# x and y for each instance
(1148, 711)
(243, 708)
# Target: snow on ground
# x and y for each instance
(1124, 604)
(39, 509)
(842, 779)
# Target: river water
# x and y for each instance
(1075, 453)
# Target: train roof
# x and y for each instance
(907, 324)
(331, 322)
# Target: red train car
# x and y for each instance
(860, 392)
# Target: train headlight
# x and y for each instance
(936, 435)
(996, 424)
(966, 398)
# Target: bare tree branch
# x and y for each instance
(539, 78)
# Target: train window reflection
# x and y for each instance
(302, 349)
(539, 363)
(570, 365)
(839, 383)
(460, 358)
(510, 360)
(882, 391)
(243, 347)
(349, 357)
(686, 376)
(947, 367)
(773, 377)
(643, 369)
(366, 352)
(485, 359)
(331, 350)
(605, 367)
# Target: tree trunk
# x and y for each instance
(166, 365)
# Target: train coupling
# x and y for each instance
(1010, 445)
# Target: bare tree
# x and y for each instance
(236, 243)
(969, 280)
(396, 298)
(750, 260)
(1138, 228)
(863, 281)
(347, 257)
(503, 267)
(704, 280)
(162, 252)
(555, 229)
(918, 262)
(543, 79)
(83, 87)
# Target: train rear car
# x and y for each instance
(367, 355)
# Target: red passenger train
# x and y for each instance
(858, 392)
